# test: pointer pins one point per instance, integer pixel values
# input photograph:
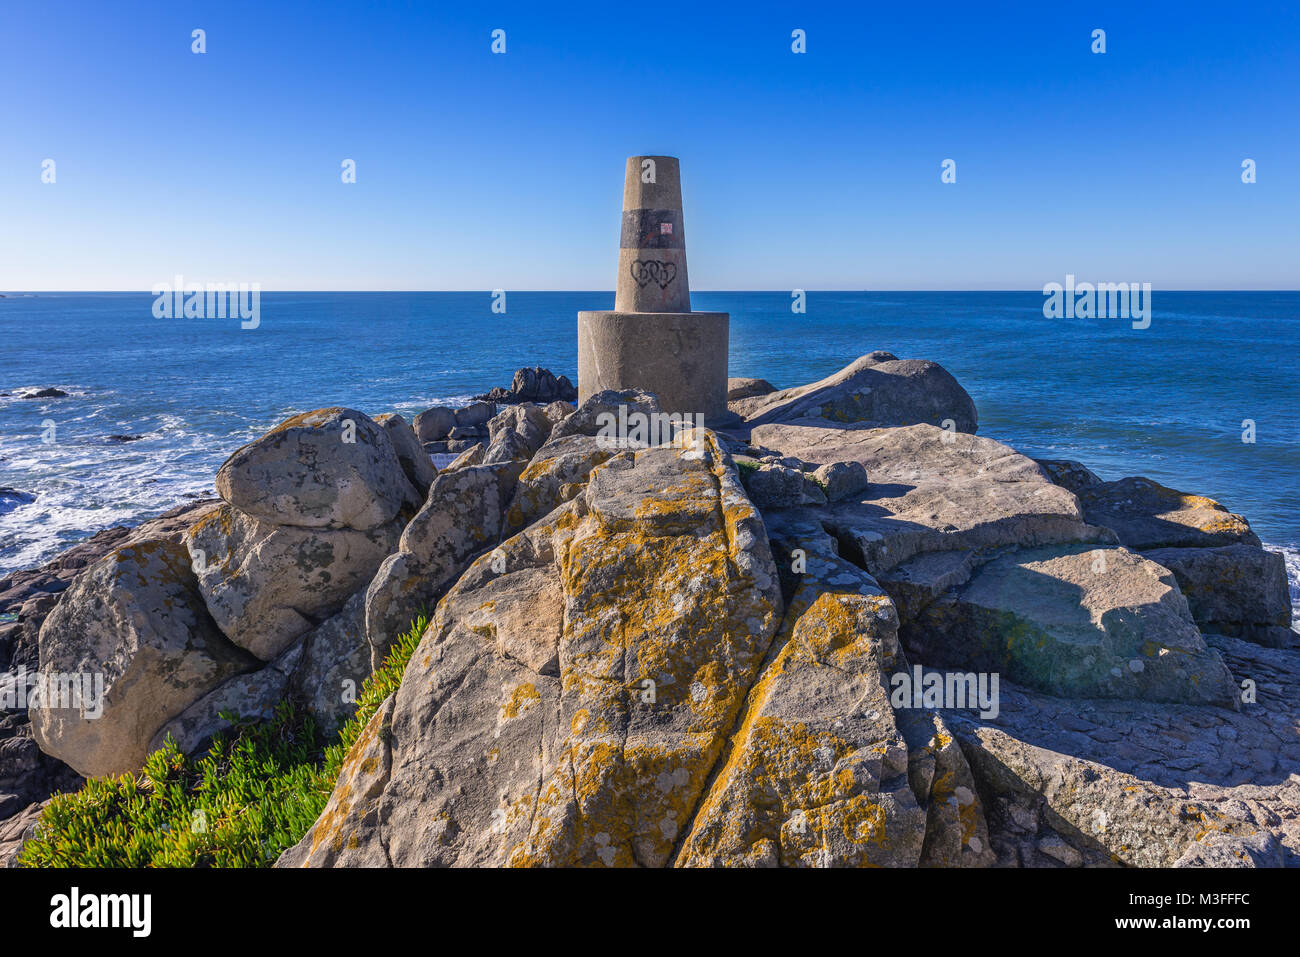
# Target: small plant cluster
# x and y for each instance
(254, 792)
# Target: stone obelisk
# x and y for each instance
(652, 340)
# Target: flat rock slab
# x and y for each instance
(1143, 784)
(934, 490)
(1075, 621)
(1145, 514)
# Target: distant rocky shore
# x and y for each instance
(690, 653)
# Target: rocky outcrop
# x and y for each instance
(933, 490)
(1233, 585)
(876, 390)
(602, 408)
(534, 385)
(334, 662)
(557, 473)
(841, 480)
(780, 486)
(252, 696)
(748, 388)
(433, 425)
(17, 830)
(1104, 782)
(526, 426)
(332, 468)
(1145, 514)
(1236, 589)
(415, 462)
(130, 646)
(462, 516)
(816, 774)
(719, 649)
(267, 585)
(27, 774)
(561, 708)
(1076, 621)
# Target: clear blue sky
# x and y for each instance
(816, 171)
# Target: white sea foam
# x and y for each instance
(84, 482)
(1292, 558)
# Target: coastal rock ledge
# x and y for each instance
(848, 631)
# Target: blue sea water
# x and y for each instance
(1167, 402)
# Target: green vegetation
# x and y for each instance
(254, 793)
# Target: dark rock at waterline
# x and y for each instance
(11, 498)
(46, 394)
(534, 385)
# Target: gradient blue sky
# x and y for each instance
(816, 171)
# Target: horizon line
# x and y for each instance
(784, 291)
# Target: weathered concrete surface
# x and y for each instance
(651, 340)
(681, 357)
(652, 245)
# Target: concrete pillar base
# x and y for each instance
(679, 356)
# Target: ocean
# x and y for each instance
(156, 405)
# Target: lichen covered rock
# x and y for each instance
(565, 709)
(134, 636)
(1075, 621)
(461, 517)
(557, 473)
(816, 774)
(1145, 514)
(266, 585)
(332, 468)
(415, 462)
